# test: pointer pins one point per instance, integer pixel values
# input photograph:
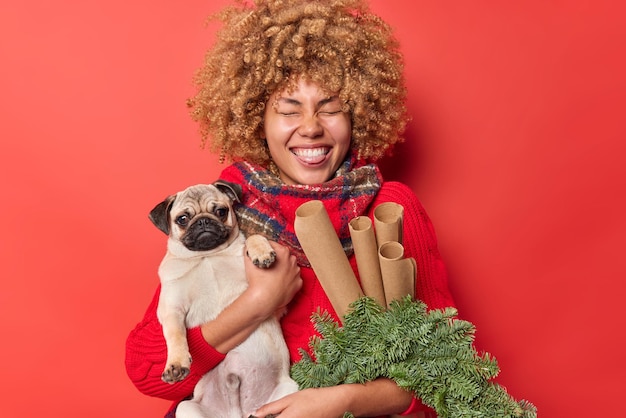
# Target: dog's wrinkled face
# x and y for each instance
(200, 217)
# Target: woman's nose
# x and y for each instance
(310, 127)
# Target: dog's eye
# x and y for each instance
(183, 220)
(221, 213)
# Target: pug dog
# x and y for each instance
(202, 273)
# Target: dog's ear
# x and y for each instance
(233, 190)
(160, 215)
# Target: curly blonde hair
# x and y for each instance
(265, 47)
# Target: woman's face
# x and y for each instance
(307, 134)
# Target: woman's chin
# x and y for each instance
(307, 177)
(303, 172)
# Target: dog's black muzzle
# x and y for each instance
(205, 234)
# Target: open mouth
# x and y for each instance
(311, 155)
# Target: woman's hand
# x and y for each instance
(310, 403)
(272, 289)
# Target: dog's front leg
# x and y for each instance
(178, 357)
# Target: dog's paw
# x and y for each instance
(260, 251)
(174, 373)
(264, 260)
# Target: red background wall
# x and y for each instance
(515, 149)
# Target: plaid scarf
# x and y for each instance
(268, 206)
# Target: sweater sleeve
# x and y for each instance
(420, 242)
(146, 355)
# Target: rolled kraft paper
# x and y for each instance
(366, 253)
(398, 272)
(325, 253)
(388, 222)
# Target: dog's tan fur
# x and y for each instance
(197, 284)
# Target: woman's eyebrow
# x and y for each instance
(288, 100)
(296, 102)
(327, 100)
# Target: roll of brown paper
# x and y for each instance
(398, 272)
(388, 222)
(325, 253)
(366, 253)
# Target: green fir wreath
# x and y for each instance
(429, 353)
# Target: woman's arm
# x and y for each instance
(146, 355)
(269, 291)
(375, 398)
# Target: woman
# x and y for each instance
(304, 97)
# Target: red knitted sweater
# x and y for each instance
(145, 346)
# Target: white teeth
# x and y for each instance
(310, 153)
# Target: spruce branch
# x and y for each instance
(429, 353)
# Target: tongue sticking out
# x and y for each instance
(310, 156)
